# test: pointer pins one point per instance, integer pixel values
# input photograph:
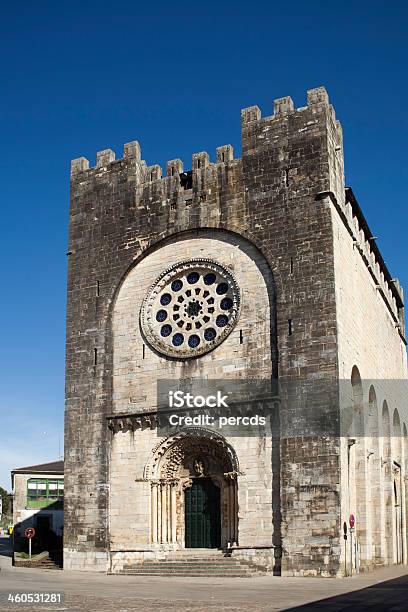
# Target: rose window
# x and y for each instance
(191, 308)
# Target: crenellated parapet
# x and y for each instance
(282, 107)
(174, 167)
(255, 130)
(131, 151)
(106, 160)
(225, 154)
(153, 173)
(251, 117)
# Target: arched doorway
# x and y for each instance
(194, 484)
(202, 514)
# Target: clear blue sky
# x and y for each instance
(78, 77)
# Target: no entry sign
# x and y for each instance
(352, 521)
(29, 532)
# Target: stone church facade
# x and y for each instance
(256, 268)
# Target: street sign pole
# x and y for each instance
(345, 547)
(29, 533)
(352, 521)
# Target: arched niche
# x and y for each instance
(388, 485)
(396, 437)
(357, 398)
(374, 494)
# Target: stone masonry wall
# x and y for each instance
(246, 353)
(370, 338)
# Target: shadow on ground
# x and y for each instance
(6, 546)
(389, 595)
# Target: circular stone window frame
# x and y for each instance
(149, 308)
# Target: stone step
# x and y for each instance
(198, 568)
(157, 568)
(221, 563)
(204, 573)
(198, 551)
(189, 557)
(192, 563)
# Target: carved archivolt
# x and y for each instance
(175, 463)
(191, 450)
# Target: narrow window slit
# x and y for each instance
(287, 177)
(98, 288)
(241, 337)
(143, 351)
(291, 265)
(290, 329)
(95, 356)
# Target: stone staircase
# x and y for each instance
(194, 562)
(44, 560)
(53, 560)
(48, 563)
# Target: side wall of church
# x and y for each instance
(372, 350)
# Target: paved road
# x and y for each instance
(382, 590)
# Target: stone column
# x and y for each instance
(155, 510)
(406, 518)
(168, 504)
(232, 508)
(173, 490)
(231, 511)
(235, 511)
(159, 512)
(164, 512)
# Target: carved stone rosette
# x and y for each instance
(191, 308)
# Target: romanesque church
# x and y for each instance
(260, 267)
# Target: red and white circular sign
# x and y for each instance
(29, 532)
(352, 521)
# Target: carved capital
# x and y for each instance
(230, 475)
(186, 484)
